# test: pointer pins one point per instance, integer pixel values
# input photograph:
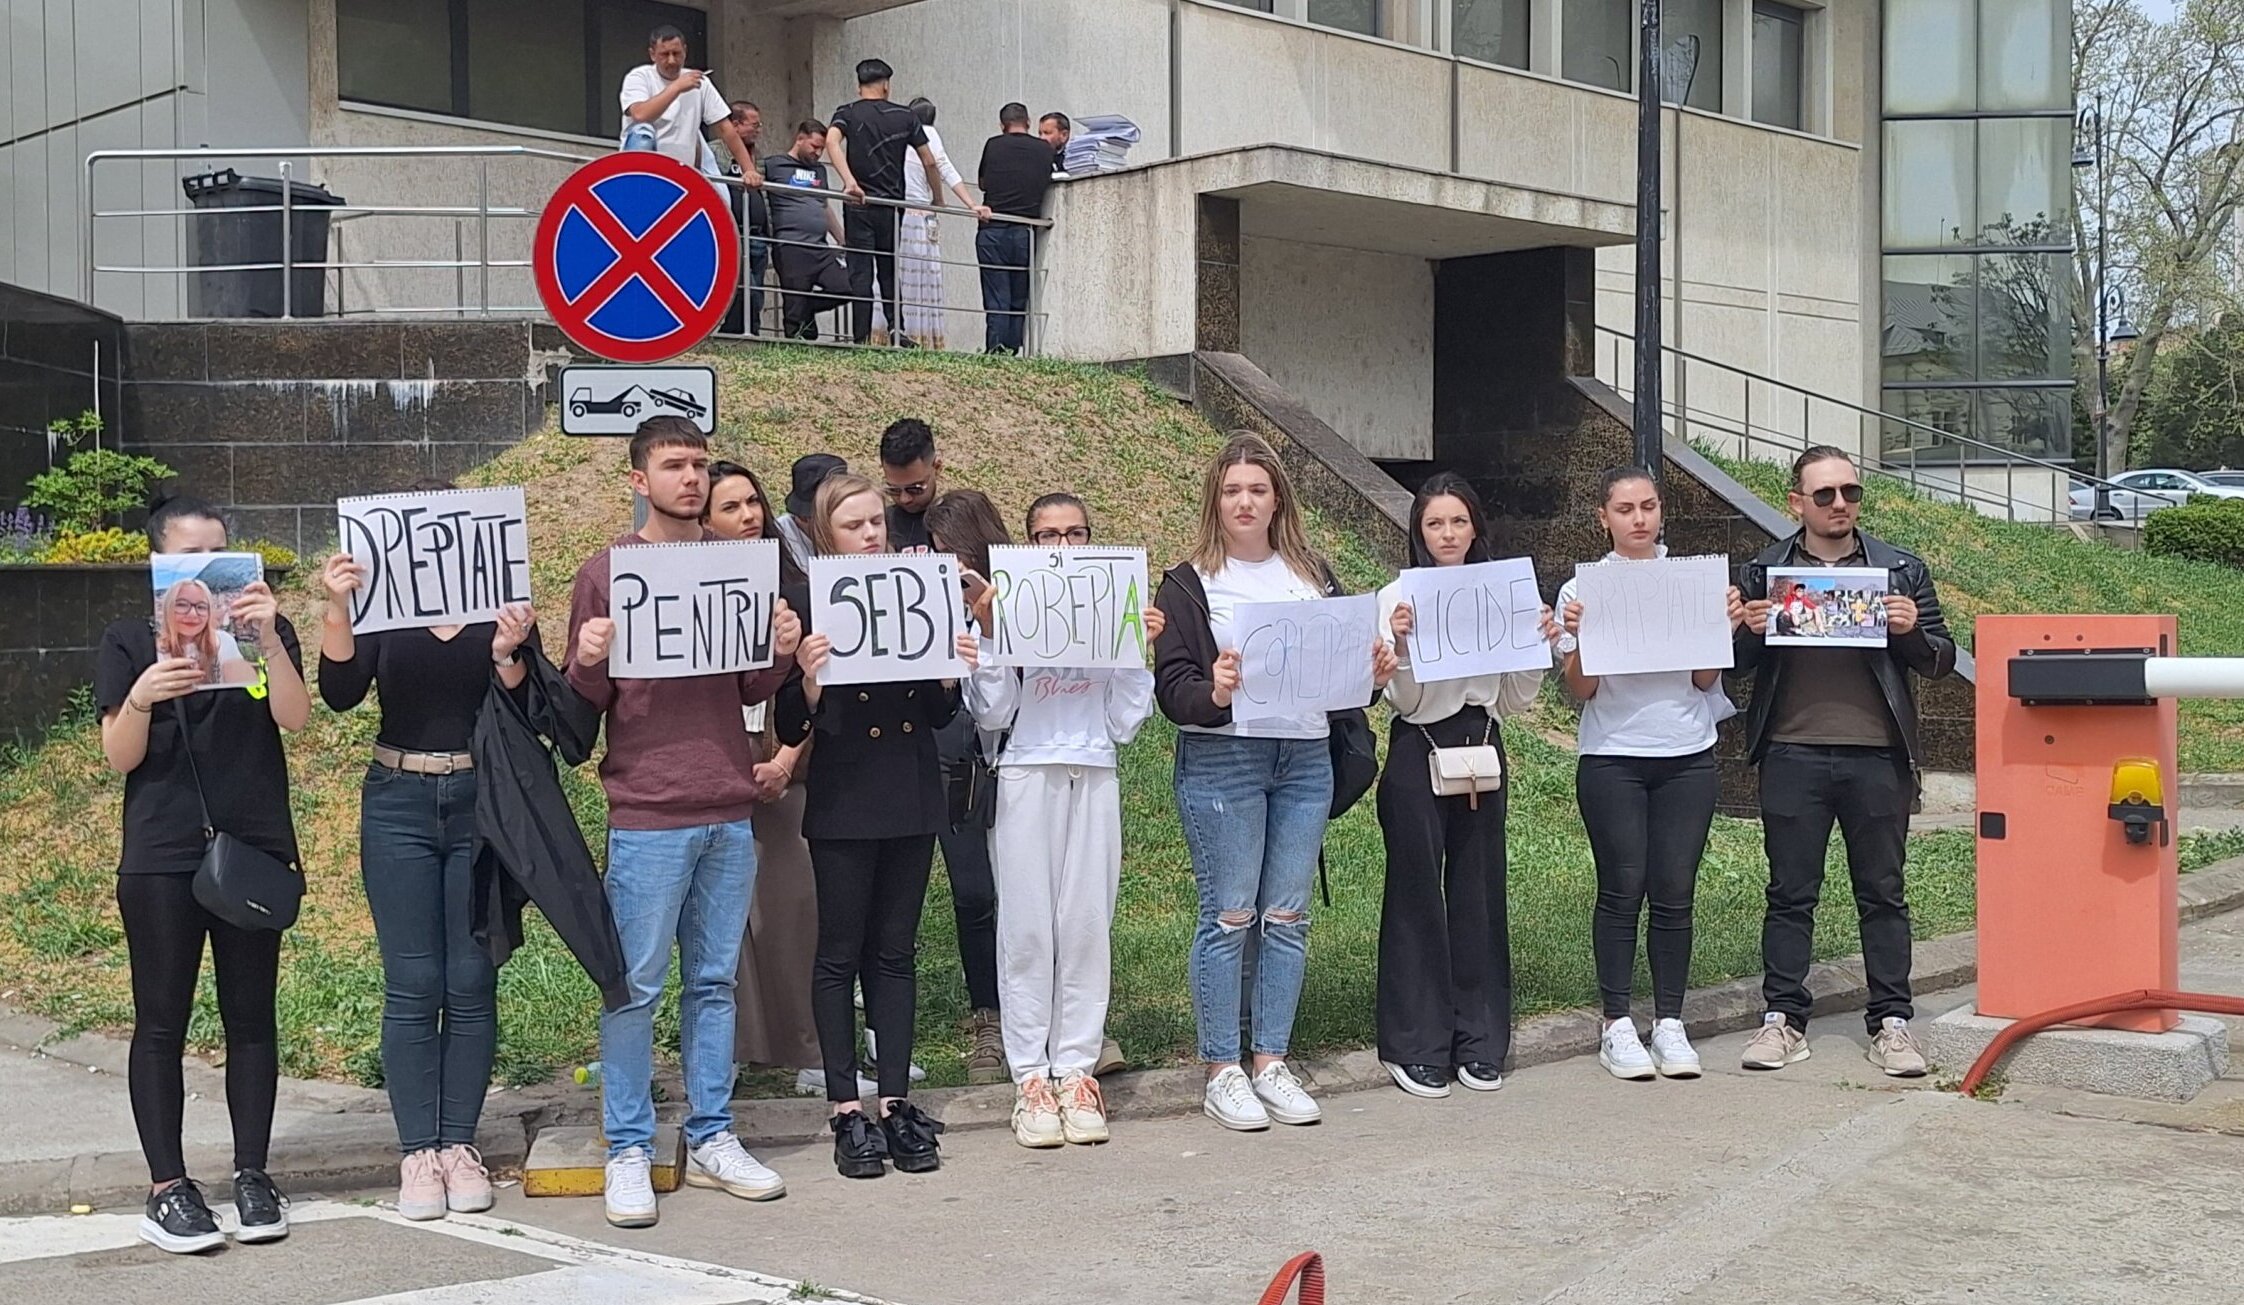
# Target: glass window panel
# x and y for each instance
(1928, 331)
(623, 28)
(396, 52)
(1943, 410)
(2025, 317)
(1259, 6)
(1931, 56)
(1779, 40)
(526, 64)
(2025, 181)
(1359, 16)
(1492, 31)
(1597, 43)
(1691, 31)
(2037, 423)
(2025, 54)
(1928, 184)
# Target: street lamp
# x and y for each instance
(2088, 152)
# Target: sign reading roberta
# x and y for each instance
(447, 557)
(692, 609)
(1068, 607)
(890, 616)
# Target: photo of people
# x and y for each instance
(1822, 606)
(195, 595)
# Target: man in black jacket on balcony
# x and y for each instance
(1834, 732)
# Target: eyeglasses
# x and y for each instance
(913, 490)
(191, 608)
(1073, 535)
(1830, 494)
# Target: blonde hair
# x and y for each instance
(204, 650)
(1287, 536)
(834, 491)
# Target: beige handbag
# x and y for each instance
(1468, 771)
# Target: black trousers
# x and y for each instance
(813, 279)
(869, 231)
(1867, 792)
(1647, 818)
(164, 932)
(870, 891)
(1445, 956)
(966, 859)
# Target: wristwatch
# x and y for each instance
(1567, 644)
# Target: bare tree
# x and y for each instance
(2173, 124)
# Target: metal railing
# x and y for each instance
(473, 256)
(1790, 419)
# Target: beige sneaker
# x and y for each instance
(420, 1185)
(1111, 1059)
(1895, 1050)
(1083, 1110)
(1775, 1045)
(467, 1184)
(1036, 1115)
(985, 1048)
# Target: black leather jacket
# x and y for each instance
(1928, 650)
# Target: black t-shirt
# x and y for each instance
(907, 531)
(796, 216)
(432, 689)
(1016, 171)
(237, 746)
(878, 134)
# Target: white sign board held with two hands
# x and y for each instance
(1660, 614)
(447, 557)
(1068, 607)
(704, 608)
(1300, 658)
(1483, 618)
(890, 616)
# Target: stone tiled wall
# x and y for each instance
(50, 350)
(55, 618)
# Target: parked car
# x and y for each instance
(2136, 494)
(2231, 479)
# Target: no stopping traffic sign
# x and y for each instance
(636, 257)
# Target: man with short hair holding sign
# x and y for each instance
(679, 776)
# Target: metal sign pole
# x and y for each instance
(1648, 405)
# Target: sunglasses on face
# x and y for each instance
(1072, 535)
(1830, 494)
(913, 490)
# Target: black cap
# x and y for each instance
(811, 471)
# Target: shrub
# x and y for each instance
(111, 544)
(23, 536)
(95, 484)
(2202, 530)
(278, 557)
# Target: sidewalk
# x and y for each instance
(69, 1137)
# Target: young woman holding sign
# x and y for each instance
(1254, 795)
(194, 761)
(1647, 782)
(416, 851)
(874, 805)
(1445, 960)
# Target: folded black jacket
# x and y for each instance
(528, 848)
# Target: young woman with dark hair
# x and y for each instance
(181, 750)
(1647, 784)
(1445, 966)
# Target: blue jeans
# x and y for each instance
(639, 136)
(440, 991)
(692, 886)
(1003, 249)
(1254, 817)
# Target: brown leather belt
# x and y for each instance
(423, 763)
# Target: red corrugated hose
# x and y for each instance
(1307, 1268)
(2139, 999)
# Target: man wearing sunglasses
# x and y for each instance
(913, 472)
(1834, 732)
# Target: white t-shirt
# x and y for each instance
(916, 190)
(678, 130)
(1268, 581)
(1505, 695)
(1655, 714)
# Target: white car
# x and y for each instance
(2136, 494)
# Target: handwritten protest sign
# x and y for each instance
(447, 557)
(1298, 659)
(1484, 618)
(692, 609)
(891, 616)
(1661, 614)
(1076, 607)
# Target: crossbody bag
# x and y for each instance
(245, 886)
(1466, 771)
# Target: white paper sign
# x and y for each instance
(1074, 607)
(692, 609)
(448, 557)
(1661, 614)
(891, 616)
(1298, 659)
(1484, 618)
(1827, 606)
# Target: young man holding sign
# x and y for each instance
(679, 774)
(1834, 731)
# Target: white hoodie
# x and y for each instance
(1059, 717)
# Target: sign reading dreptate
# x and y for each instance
(1068, 607)
(890, 617)
(447, 557)
(692, 609)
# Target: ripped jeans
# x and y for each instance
(1254, 817)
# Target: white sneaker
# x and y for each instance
(629, 1189)
(1036, 1115)
(1231, 1102)
(722, 1162)
(1672, 1051)
(1622, 1052)
(913, 1072)
(812, 1083)
(1284, 1098)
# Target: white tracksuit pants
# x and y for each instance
(1057, 854)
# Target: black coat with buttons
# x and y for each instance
(874, 772)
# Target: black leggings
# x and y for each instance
(1648, 818)
(870, 891)
(966, 859)
(164, 932)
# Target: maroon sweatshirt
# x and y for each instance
(678, 754)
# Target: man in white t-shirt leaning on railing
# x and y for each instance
(667, 106)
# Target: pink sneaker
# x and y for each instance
(420, 1187)
(467, 1184)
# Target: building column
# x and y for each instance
(1216, 297)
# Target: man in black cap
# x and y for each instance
(810, 472)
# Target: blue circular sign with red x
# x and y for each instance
(637, 257)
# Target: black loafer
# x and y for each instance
(860, 1147)
(911, 1138)
(1427, 1081)
(1481, 1075)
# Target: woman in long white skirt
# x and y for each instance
(919, 251)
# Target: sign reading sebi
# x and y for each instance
(447, 557)
(889, 616)
(692, 609)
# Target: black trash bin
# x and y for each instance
(224, 239)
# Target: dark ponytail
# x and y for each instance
(1622, 475)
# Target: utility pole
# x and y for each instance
(1648, 339)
